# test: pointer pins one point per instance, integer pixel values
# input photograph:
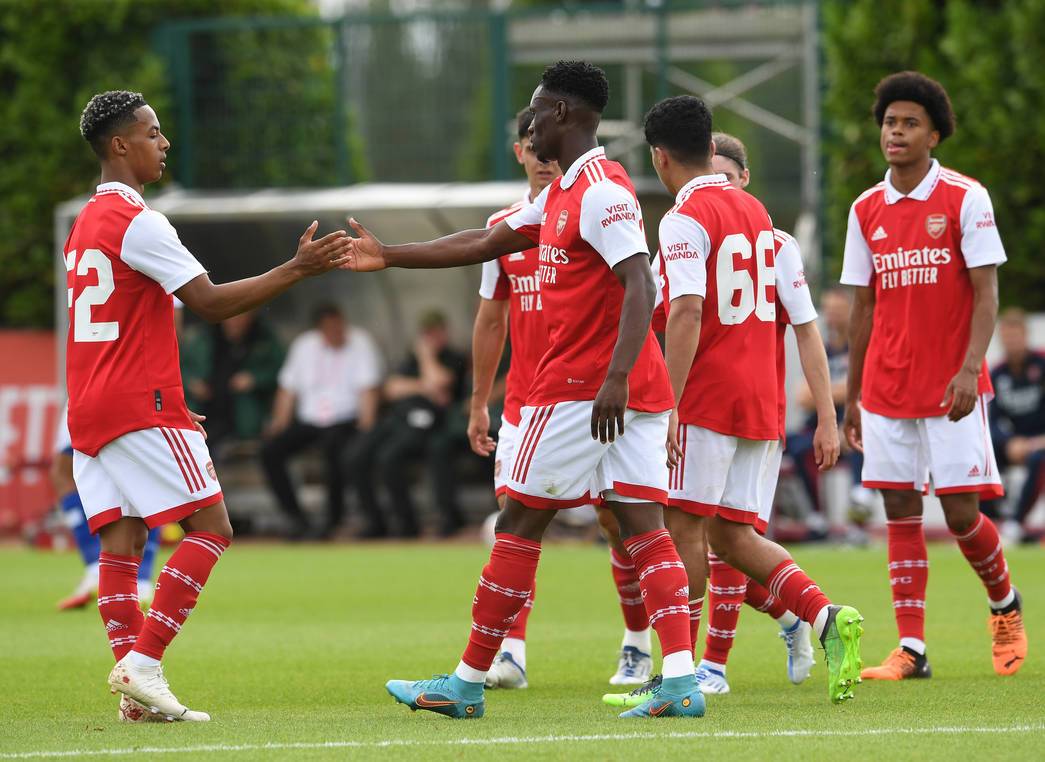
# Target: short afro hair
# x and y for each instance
(682, 126)
(106, 114)
(916, 87)
(523, 120)
(579, 79)
(731, 148)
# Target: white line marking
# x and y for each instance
(533, 740)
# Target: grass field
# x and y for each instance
(290, 647)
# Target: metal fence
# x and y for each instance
(263, 102)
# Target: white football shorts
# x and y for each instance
(504, 455)
(159, 475)
(722, 475)
(906, 453)
(557, 464)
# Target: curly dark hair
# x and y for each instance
(106, 114)
(523, 120)
(918, 88)
(682, 126)
(581, 80)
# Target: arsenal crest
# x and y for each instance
(936, 224)
(561, 224)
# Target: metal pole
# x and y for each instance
(810, 147)
(341, 162)
(500, 82)
(183, 91)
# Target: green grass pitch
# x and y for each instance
(290, 647)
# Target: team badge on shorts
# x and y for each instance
(561, 224)
(210, 470)
(936, 224)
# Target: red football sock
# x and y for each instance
(797, 591)
(696, 608)
(504, 587)
(760, 599)
(118, 601)
(627, 580)
(981, 547)
(177, 589)
(518, 628)
(665, 588)
(727, 588)
(908, 575)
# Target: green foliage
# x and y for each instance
(988, 55)
(53, 56)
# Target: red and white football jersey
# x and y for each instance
(916, 251)
(124, 261)
(585, 223)
(718, 243)
(514, 277)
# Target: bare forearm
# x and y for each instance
(814, 367)
(488, 339)
(640, 295)
(216, 302)
(860, 323)
(398, 387)
(283, 407)
(984, 313)
(681, 339)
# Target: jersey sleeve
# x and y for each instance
(685, 246)
(981, 244)
(528, 219)
(611, 221)
(151, 246)
(857, 262)
(494, 284)
(791, 286)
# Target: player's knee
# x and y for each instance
(960, 515)
(902, 504)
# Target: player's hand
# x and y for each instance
(852, 427)
(826, 447)
(197, 421)
(366, 253)
(960, 397)
(479, 438)
(320, 255)
(607, 412)
(675, 453)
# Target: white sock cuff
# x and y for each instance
(639, 639)
(820, 621)
(141, 660)
(916, 645)
(678, 664)
(787, 620)
(469, 674)
(1008, 599)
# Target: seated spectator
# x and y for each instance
(419, 395)
(1018, 418)
(835, 304)
(328, 391)
(230, 376)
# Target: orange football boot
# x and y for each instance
(1008, 639)
(901, 664)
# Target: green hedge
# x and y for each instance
(989, 57)
(53, 56)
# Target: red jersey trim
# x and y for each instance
(692, 507)
(986, 491)
(740, 516)
(182, 511)
(641, 492)
(547, 503)
(108, 516)
(892, 485)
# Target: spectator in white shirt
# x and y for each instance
(328, 392)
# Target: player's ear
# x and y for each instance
(518, 149)
(117, 145)
(934, 139)
(560, 111)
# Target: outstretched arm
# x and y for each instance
(640, 294)
(214, 303)
(814, 366)
(467, 247)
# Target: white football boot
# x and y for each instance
(149, 687)
(710, 680)
(505, 672)
(133, 712)
(633, 668)
(799, 651)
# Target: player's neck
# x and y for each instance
(906, 177)
(682, 175)
(574, 146)
(116, 174)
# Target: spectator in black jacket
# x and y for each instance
(1017, 416)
